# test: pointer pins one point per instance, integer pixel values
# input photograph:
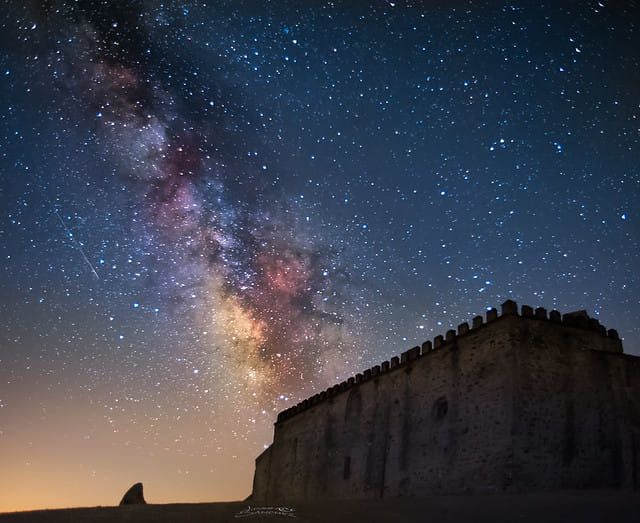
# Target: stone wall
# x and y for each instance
(520, 402)
(579, 412)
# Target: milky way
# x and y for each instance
(212, 211)
(220, 245)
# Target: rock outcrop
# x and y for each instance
(134, 496)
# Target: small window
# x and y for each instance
(440, 408)
(346, 473)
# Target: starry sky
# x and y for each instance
(212, 210)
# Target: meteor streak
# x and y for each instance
(68, 231)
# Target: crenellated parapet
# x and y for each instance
(573, 320)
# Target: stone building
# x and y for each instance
(521, 401)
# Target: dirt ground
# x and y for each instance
(564, 507)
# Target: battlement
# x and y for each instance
(579, 320)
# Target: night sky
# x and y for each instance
(210, 211)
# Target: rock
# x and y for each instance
(134, 496)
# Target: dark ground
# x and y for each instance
(579, 506)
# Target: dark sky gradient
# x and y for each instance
(213, 210)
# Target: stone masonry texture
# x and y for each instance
(522, 401)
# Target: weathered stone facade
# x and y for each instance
(523, 401)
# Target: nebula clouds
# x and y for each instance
(253, 283)
(275, 196)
